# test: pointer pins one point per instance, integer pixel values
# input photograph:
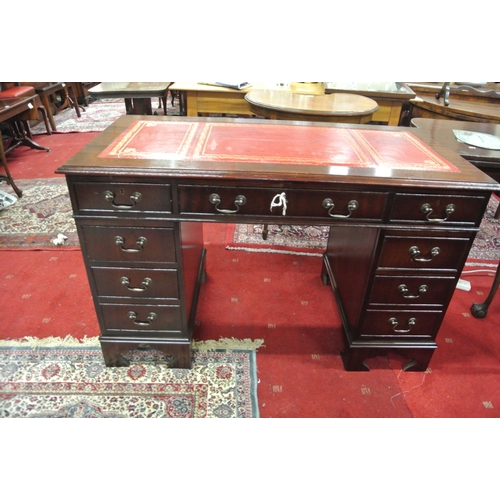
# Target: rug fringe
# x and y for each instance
(35, 342)
(228, 344)
(271, 250)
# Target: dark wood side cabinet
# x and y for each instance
(403, 212)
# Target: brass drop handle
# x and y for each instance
(145, 283)
(415, 252)
(427, 210)
(135, 198)
(133, 316)
(394, 323)
(351, 206)
(239, 201)
(141, 241)
(403, 289)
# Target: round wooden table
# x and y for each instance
(285, 105)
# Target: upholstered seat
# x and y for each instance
(17, 91)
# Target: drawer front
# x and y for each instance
(299, 203)
(438, 209)
(122, 197)
(400, 324)
(142, 318)
(412, 291)
(136, 283)
(412, 252)
(129, 244)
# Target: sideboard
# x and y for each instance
(403, 212)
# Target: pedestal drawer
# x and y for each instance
(399, 324)
(412, 291)
(122, 197)
(137, 318)
(305, 203)
(129, 244)
(136, 283)
(438, 209)
(414, 252)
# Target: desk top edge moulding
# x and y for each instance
(316, 151)
(143, 188)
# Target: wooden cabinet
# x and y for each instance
(402, 213)
(139, 266)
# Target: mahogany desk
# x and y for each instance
(402, 219)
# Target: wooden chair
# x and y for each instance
(48, 92)
(15, 91)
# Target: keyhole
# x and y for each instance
(122, 191)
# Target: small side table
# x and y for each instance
(137, 95)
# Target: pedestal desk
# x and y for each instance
(402, 219)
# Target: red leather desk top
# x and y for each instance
(274, 143)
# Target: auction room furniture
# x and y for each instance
(10, 91)
(488, 160)
(463, 105)
(403, 212)
(48, 91)
(17, 112)
(200, 99)
(285, 105)
(137, 95)
(390, 97)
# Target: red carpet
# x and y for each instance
(282, 301)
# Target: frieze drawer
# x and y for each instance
(280, 201)
(438, 209)
(129, 244)
(400, 324)
(413, 252)
(412, 291)
(139, 317)
(136, 283)
(122, 197)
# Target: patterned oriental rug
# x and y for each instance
(36, 219)
(71, 381)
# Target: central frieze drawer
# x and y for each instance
(122, 197)
(438, 209)
(136, 317)
(413, 252)
(412, 291)
(129, 244)
(287, 202)
(136, 283)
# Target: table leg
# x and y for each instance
(8, 178)
(481, 310)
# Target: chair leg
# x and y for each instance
(70, 92)
(46, 104)
(8, 178)
(43, 112)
